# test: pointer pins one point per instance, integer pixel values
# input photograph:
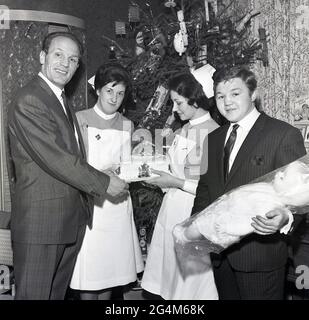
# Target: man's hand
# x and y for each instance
(274, 221)
(117, 187)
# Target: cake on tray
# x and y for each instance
(139, 168)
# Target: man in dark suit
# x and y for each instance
(252, 145)
(53, 189)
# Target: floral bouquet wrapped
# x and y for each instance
(228, 219)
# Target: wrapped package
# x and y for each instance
(227, 220)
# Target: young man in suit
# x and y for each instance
(250, 146)
(53, 188)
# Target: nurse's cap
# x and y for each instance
(204, 76)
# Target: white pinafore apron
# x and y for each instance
(162, 275)
(110, 255)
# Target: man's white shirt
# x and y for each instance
(57, 91)
(245, 125)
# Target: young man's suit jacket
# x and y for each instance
(270, 144)
(53, 185)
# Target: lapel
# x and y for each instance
(55, 103)
(220, 151)
(52, 101)
(253, 137)
(80, 138)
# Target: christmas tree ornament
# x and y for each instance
(206, 11)
(140, 47)
(181, 38)
(183, 28)
(179, 43)
(134, 14)
(159, 98)
(198, 28)
(120, 29)
(112, 53)
(170, 3)
(155, 107)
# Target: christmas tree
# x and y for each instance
(184, 37)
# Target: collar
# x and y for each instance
(248, 121)
(56, 90)
(199, 120)
(102, 114)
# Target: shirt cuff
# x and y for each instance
(285, 229)
(190, 186)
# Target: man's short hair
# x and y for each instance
(238, 71)
(49, 38)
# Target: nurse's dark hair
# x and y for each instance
(113, 72)
(188, 87)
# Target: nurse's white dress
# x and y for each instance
(110, 254)
(162, 275)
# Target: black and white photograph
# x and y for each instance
(153, 151)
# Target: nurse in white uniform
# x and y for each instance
(162, 275)
(110, 255)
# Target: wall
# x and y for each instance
(99, 16)
(284, 84)
(285, 81)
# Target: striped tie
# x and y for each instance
(228, 149)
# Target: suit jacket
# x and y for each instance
(50, 174)
(270, 144)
